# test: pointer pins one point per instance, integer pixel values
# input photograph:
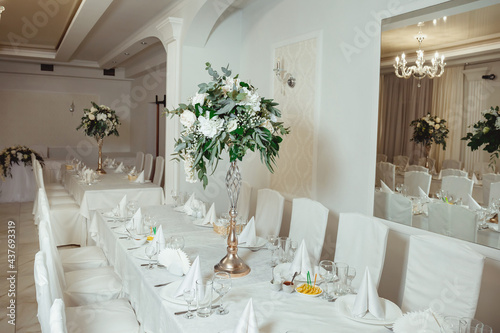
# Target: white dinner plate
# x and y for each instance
(140, 253)
(261, 242)
(120, 230)
(392, 311)
(167, 293)
(199, 223)
(283, 270)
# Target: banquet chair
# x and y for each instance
(361, 243)
(244, 201)
(417, 168)
(42, 289)
(77, 287)
(458, 187)
(432, 164)
(452, 220)
(159, 169)
(453, 172)
(393, 207)
(50, 186)
(494, 192)
(139, 161)
(451, 164)
(308, 223)
(381, 158)
(54, 195)
(148, 166)
(487, 180)
(401, 162)
(442, 274)
(385, 172)
(268, 212)
(414, 180)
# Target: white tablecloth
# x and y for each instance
(21, 187)
(275, 311)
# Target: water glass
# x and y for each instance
(470, 325)
(341, 278)
(273, 242)
(284, 249)
(327, 273)
(204, 298)
(175, 242)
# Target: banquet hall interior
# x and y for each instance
(330, 67)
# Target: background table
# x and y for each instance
(21, 187)
(275, 311)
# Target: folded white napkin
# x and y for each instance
(302, 262)
(211, 216)
(132, 171)
(419, 321)
(474, 178)
(384, 188)
(136, 221)
(140, 178)
(473, 205)
(421, 193)
(159, 239)
(248, 321)
(189, 281)
(119, 168)
(175, 260)
(248, 236)
(187, 207)
(367, 299)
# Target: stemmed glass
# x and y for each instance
(273, 242)
(399, 187)
(175, 196)
(327, 273)
(150, 251)
(351, 274)
(222, 285)
(189, 295)
(131, 206)
(175, 242)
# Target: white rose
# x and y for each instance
(437, 126)
(93, 109)
(438, 120)
(91, 116)
(232, 125)
(188, 118)
(210, 127)
(101, 116)
(267, 124)
(19, 156)
(274, 118)
(418, 124)
(109, 115)
(431, 123)
(103, 107)
(198, 99)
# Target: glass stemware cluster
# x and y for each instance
(337, 278)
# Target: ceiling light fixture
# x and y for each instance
(144, 43)
(126, 53)
(72, 107)
(419, 71)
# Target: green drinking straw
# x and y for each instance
(308, 278)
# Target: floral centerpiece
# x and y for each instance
(430, 129)
(486, 132)
(16, 154)
(226, 113)
(99, 122)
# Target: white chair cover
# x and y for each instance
(487, 180)
(416, 179)
(139, 161)
(269, 212)
(381, 158)
(58, 317)
(57, 281)
(393, 207)
(453, 172)
(148, 166)
(43, 297)
(385, 172)
(451, 164)
(308, 222)
(458, 187)
(80, 258)
(401, 162)
(361, 243)
(244, 200)
(417, 168)
(442, 274)
(452, 220)
(494, 192)
(159, 168)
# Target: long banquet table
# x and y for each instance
(275, 311)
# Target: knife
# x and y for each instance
(163, 284)
(184, 312)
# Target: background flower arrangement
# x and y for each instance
(16, 154)
(99, 121)
(226, 113)
(486, 132)
(430, 129)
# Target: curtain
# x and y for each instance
(447, 103)
(401, 101)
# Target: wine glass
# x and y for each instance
(175, 242)
(292, 250)
(327, 273)
(351, 274)
(273, 242)
(189, 295)
(131, 206)
(399, 187)
(175, 196)
(150, 251)
(222, 285)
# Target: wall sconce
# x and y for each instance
(283, 76)
(72, 107)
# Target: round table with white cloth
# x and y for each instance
(21, 187)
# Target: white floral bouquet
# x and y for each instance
(430, 129)
(16, 154)
(226, 113)
(99, 121)
(486, 132)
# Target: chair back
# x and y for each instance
(401, 162)
(452, 220)
(451, 164)
(58, 317)
(450, 287)
(385, 172)
(381, 158)
(393, 207)
(453, 172)
(139, 161)
(417, 168)
(244, 201)
(414, 180)
(361, 243)
(159, 169)
(487, 180)
(494, 192)
(308, 223)
(53, 260)
(148, 166)
(43, 296)
(269, 212)
(458, 187)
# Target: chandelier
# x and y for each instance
(419, 71)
